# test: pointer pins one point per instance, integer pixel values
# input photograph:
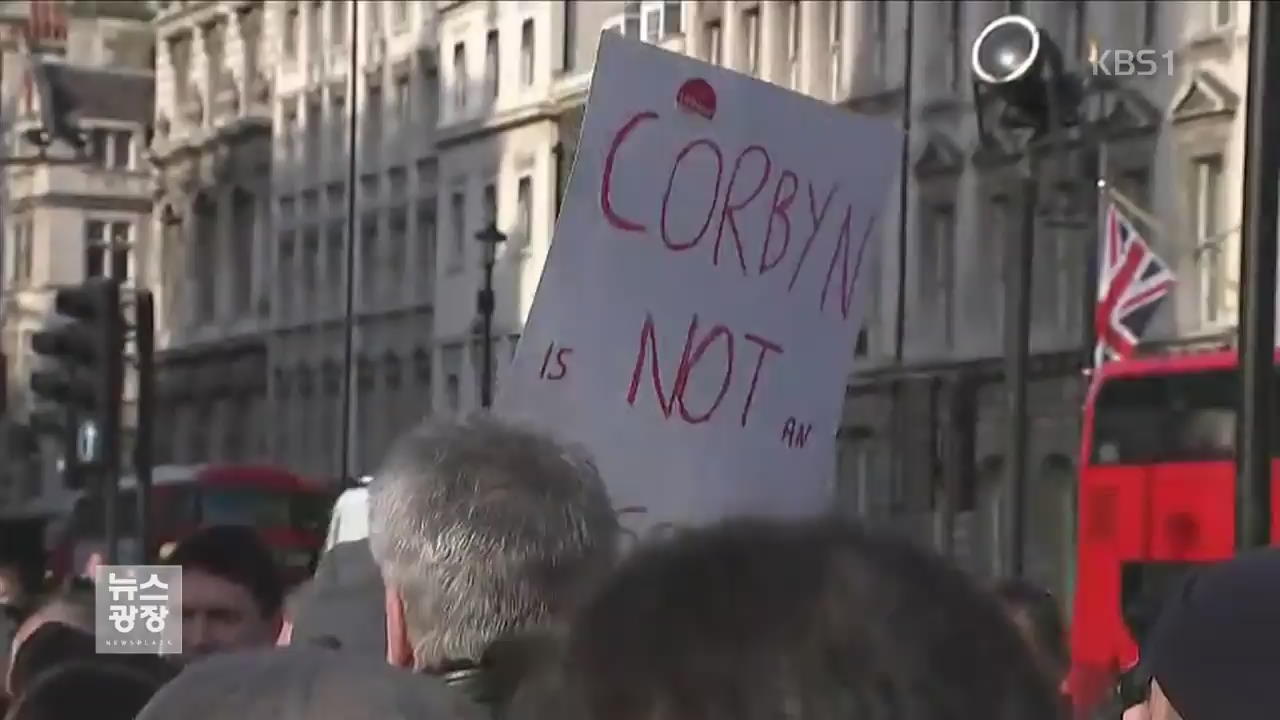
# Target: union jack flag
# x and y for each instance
(1132, 283)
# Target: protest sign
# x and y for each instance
(695, 321)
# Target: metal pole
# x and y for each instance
(144, 344)
(108, 421)
(1258, 273)
(1019, 256)
(1088, 323)
(349, 307)
(904, 187)
(486, 315)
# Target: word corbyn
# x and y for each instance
(752, 171)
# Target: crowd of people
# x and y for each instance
(492, 586)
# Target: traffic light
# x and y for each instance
(85, 378)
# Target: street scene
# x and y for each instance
(600, 359)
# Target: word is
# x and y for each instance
(554, 363)
(697, 348)
(757, 189)
(1132, 63)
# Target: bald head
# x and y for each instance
(284, 684)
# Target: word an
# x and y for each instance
(732, 194)
(559, 369)
(1131, 63)
(697, 349)
(795, 434)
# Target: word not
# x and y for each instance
(753, 169)
(561, 357)
(795, 434)
(1131, 63)
(695, 351)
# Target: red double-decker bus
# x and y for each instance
(1156, 498)
(290, 511)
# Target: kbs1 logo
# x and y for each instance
(1131, 63)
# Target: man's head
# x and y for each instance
(87, 688)
(302, 683)
(481, 528)
(809, 621)
(232, 592)
(1213, 651)
(71, 606)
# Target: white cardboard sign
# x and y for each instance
(695, 321)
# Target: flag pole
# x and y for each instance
(1093, 353)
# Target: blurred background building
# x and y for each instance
(467, 113)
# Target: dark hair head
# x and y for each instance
(51, 645)
(811, 621)
(86, 689)
(238, 555)
(1040, 610)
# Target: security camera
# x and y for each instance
(1016, 61)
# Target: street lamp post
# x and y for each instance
(490, 238)
(1015, 62)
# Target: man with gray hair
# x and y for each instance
(483, 530)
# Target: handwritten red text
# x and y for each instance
(753, 207)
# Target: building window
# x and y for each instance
(403, 106)
(203, 268)
(569, 32)
(400, 15)
(285, 272)
(338, 23)
(427, 238)
(290, 31)
(880, 38)
(1222, 12)
(460, 76)
(1150, 22)
(398, 237)
(672, 17)
(335, 259)
(373, 117)
(451, 360)
(458, 216)
(1207, 181)
(98, 142)
(120, 245)
(95, 248)
(711, 38)
(315, 38)
(528, 53)
(524, 211)
(492, 63)
(373, 13)
(489, 206)
(242, 246)
(955, 41)
(835, 39)
(936, 256)
(310, 267)
(338, 119)
(368, 256)
(652, 24)
(793, 42)
(751, 34)
(314, 124)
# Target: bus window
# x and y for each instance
(1173, 418)
(236, 506)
